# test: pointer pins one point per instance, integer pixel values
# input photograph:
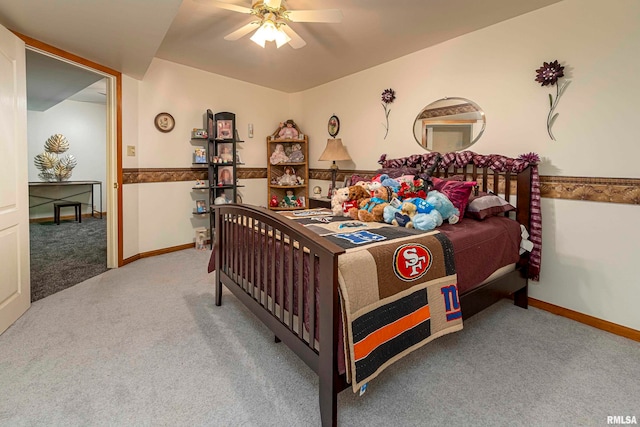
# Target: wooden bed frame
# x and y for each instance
(234, 225)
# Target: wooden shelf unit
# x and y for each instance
(275, 172)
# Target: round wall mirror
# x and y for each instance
(449, 124)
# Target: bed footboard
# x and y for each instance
(262, 259)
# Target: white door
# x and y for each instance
(15, 292)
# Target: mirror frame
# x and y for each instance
(464, 106)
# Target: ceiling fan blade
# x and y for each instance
(327, 15)
(242, 31)
(296, 41)
(223, 5)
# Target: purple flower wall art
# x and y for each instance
(388, 96)
(548, 75)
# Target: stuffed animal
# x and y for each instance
(408, 216)
(340, 196)
(443, 205)
(427, 221)
(357, 193)
(389, 213)
(404, 217)
(386, 181)
(373, 209)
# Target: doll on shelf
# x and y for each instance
(288, 131)
(278, 155)
(289, 200)
(296, 155)
(289, 177)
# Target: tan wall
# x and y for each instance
(588, 247)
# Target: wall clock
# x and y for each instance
(333, 126)
(164, 122)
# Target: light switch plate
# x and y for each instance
(131, 150)
(250, 130)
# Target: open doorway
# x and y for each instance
(75, 104)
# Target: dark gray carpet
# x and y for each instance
(66, 254)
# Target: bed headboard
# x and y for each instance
(511, 177)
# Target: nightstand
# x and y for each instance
(319, 203)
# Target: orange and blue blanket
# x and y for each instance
(397, 295)
(398, 290)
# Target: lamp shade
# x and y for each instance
(335, 151)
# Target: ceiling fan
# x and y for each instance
(272, 21)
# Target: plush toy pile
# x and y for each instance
(404, 202)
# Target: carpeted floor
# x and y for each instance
(66, 254)
(144, 345)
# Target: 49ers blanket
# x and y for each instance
(397, 295)
(398, 289)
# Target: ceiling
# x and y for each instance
(127, 34)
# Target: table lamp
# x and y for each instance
(334, 151)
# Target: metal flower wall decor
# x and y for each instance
(388, 96)
(548, 75)
(53, 167)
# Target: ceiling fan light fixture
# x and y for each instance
(257, 39)
(269, 32)
(282, 38)
(266, 32)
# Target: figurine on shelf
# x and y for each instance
(296, 155)
(289, 200)
(289, 177)
(274, 201)
(288, 131)
(278, 155)
(200, 184)
(221, 200)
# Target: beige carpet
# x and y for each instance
(144, 345)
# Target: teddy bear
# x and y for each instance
(387, 181)
(357, 193)
(340, 196)
(403, 216)
(414, 213)
(443, 205)
(372, 209)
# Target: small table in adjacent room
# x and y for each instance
(66, 197)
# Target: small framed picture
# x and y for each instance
(200, 155)
(225, 152)
(225, 175)
(201, 206)
(333, 126)
(224, 129)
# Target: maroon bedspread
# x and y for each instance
(482, 247)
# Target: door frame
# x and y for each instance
(114, 142)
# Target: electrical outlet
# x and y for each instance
(131, 150)
(250, 130)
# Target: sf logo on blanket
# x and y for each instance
(411, 261)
